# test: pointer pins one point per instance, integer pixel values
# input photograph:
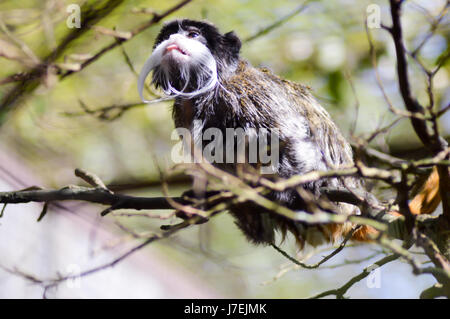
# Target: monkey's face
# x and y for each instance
(189, 57)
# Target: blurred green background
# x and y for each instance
(323, 47)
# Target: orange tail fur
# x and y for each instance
(425, 202)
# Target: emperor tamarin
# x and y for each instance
(201, 69)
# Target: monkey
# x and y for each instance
(212, 86)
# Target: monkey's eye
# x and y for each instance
(193, 34)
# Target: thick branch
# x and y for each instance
(93, 195)
(411, 103)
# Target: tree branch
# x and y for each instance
(93, 195)
(31, 80)
(340, 292)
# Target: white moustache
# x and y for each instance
(200, 61)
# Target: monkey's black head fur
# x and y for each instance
(224, 47)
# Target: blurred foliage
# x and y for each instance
(322, 47)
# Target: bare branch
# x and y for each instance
(277, 23)
(323, 260)
(93, 195)
(91, 16)
(340, 292)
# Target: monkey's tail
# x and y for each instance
(425, 202)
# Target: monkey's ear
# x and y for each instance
(233, 42)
